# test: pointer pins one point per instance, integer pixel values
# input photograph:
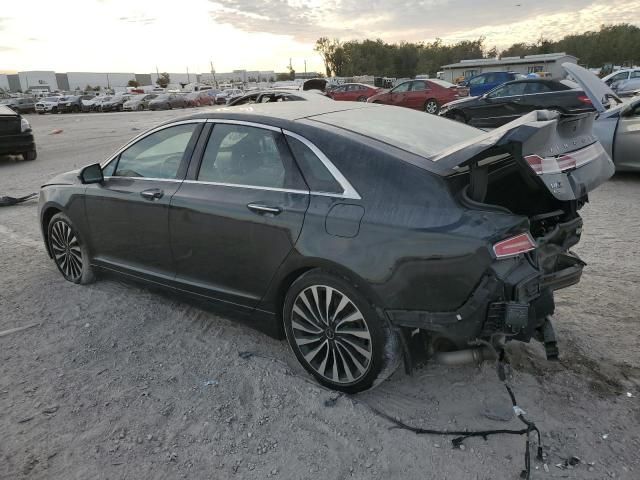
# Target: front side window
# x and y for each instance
(536, 87)
(157, 155)
(510, 90)
(635, 74)
(477, 80)
(314, 170)
(252, 156)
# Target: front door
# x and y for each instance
(128, 214)
(627, 141)
(235, 220)
(399, 94)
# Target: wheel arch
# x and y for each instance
(47, 214)
(274, 298)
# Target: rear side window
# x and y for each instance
(315, 172)
(243, 155)
(538, 87)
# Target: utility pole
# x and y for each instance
(188, 77)
(157, 75)
(213, 74)
(305, 68)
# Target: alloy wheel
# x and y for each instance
(431, 107)
(66, 250)
(331, 334)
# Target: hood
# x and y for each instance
(68, 178)
(601, 96)
(460, 101)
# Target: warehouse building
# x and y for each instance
(550, 63)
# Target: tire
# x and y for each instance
(361, 99)
(347, 359)
(30, 155)
(121, 108)
(140, 108)
(54, 110)
(69, 252)
(431, 106)
(76, 109)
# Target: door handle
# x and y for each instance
(152, 194)
(262, 209)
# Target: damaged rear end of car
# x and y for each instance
(526, 182)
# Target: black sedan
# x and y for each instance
(514, 99)
(345, 227)
(168, 101)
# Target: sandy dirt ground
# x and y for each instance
(116, 381)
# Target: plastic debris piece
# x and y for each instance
(56, 131)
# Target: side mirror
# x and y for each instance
(91, 174)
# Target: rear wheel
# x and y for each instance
(140, 108)
(68, 251)
(336, 333)
(431, 106)
(30, 155)
(362, 99)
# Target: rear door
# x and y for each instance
(128, 214)
(417, 95)
(627, 140)
(239, 213)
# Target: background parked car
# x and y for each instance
(618, 124)
(620, 75)
(353, 92)
(485, 82)
(21, 105)
(139, 102)
(627, 88)
(167, 101)
(72, 103)
(47, 104)
(199, 99)
(514, 99)
(425, 95)
(227, 95)
(115, 104)
(267, 96)
(16, 137)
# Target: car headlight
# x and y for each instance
(25, 126)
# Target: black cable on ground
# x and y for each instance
(463, 435)
(8, 201)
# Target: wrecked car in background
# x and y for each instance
(16, 137)
(618, 124)
(345, 227)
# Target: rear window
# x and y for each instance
(407, 129)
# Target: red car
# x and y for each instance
(353, 92)
(426, 95)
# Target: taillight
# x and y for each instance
(514, 246)
(584, 99)
(566, 161)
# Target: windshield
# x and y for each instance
(51, 99)
(442, 83)
(407, 129)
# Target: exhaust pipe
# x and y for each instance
(462, 357)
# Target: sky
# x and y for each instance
(139, 35)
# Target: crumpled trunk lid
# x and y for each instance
(559, 152)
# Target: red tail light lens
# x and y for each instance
(584, 99)
(565, 162)
(514, 246)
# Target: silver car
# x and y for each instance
(618, 123)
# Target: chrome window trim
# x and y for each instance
(252, 187)
(146, 134)
(348, 190)
(151, 179)
(245, 123)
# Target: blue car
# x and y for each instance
(485, 82)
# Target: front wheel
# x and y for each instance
(362, 99)
(68, 251)
(336, 333)
(431, 106)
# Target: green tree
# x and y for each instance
(281, 77)
(163, 80)
(133, 83)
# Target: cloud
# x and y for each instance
(139, 19)
(416, 20)
(4, 48)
